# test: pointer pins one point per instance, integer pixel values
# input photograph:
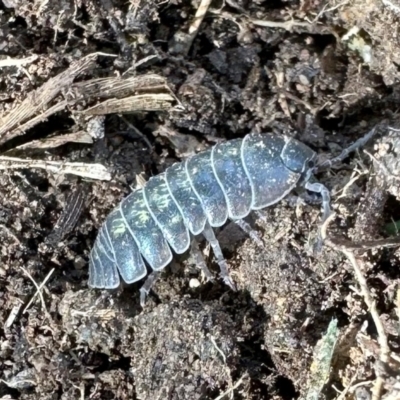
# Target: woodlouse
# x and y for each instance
(190, 198)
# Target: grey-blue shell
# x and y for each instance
(227, 181)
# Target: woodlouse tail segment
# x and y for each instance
(124, 248)
(111, 276)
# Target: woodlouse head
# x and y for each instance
(298, 157)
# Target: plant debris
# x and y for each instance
(98, 96)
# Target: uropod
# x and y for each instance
(192, 197)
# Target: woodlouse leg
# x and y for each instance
(250, 231)
(303, 198)
(148, 284)
(260, 214)
(199, 259)
(223, 266)
(326, 198)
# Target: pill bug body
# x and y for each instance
(225, 182)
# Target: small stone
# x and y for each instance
(95, 127)
(194, 283)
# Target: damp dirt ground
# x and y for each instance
(325, 72)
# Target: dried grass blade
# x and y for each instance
(117, 87)
(143, 102)
(57, 141)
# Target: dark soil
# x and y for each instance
(193, 340)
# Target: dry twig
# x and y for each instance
(392, 7)
(198, 18)
(344, 244)
(185, 40)
(230, 390)
(287, 25)
(382, 337)
(369, 301)
(18, 62)
(85, 170)
(38, 289)
(382, 166)
(136, 130)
